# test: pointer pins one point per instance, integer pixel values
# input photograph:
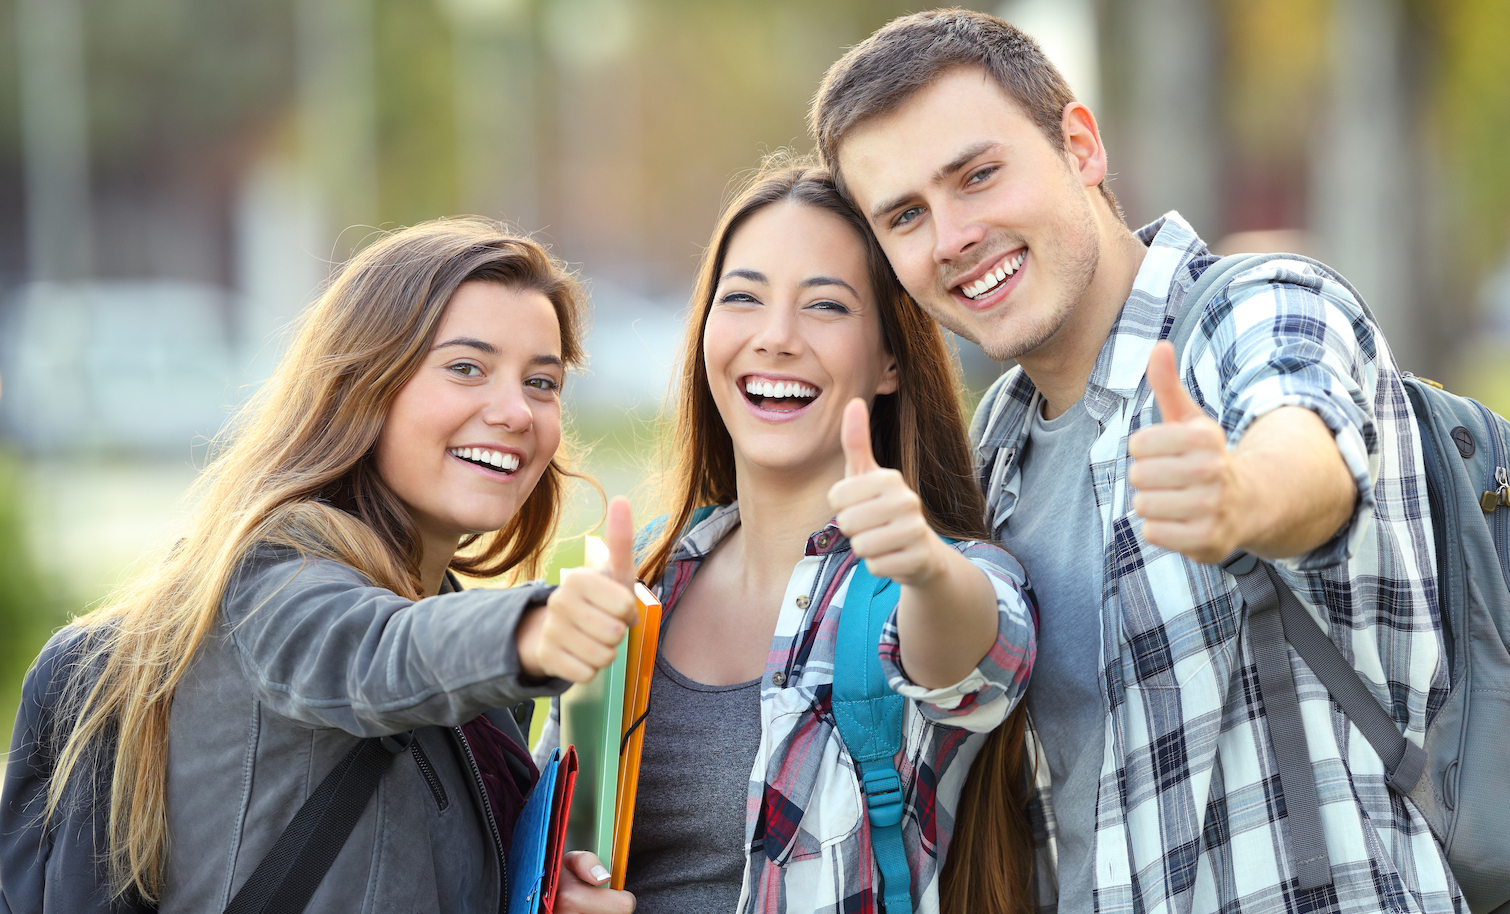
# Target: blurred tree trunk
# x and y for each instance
(1159, 86)
(1370, 202)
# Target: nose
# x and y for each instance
(777, 333)
(509, 409)
(955, 233)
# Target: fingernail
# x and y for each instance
(599, 874)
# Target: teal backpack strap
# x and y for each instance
(869, 715)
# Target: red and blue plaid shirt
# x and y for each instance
(807, 838)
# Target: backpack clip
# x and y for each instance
(883, 796)
(1500, 495)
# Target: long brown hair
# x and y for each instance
(920, 431)
(298, 469)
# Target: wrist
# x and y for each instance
(528, 636)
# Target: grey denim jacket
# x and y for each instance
(307, 659)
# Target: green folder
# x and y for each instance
(592, 716)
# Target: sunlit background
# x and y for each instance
(178, 177)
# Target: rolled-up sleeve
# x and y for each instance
(324, 647)
(983, 698)
(1282, 335)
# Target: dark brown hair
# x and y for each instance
(919, 430)
(881, 73)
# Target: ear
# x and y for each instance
(1082, 142)
(890, 379)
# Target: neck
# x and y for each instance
(778, 511)
(1061, 367)
(434, 561)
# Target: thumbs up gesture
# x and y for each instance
(577, 630)
(1188, 486)
(879, 512)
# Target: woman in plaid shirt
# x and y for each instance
(805, 371)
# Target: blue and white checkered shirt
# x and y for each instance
(1189, 817)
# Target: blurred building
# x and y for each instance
(177, 179)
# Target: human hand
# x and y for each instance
(577, 630)
(583, 888)
(1189, 491)
(879, 512)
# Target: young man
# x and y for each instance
(1122, 472)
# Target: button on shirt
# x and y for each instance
(1188, 814)
(805, 830)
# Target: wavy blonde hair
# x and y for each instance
(299, 470)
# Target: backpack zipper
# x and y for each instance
(1499, 521)
(437, 789)
(487, 811)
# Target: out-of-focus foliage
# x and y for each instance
(416, 112)
(1471, 120)
(28, 612)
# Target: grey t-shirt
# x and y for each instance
(687, 851)
(1055, 531)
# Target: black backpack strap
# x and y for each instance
(287, 877)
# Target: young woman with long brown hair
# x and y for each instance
(806, 372)
(412, 430)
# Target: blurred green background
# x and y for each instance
(177, 178)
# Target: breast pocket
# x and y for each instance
(811, 797)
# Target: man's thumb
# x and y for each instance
(854, 435)
(1175, 405)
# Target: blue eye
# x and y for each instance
(982, 175)
(906, 216)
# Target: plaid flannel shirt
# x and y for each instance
(1189, 817)
(806, 830)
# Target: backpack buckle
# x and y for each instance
(883, 796)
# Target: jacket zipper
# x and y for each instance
(487, 811)
(431, 778)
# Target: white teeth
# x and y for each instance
(496, 459)
(779, 389)
(995, 278)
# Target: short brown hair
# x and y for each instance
(881, 73)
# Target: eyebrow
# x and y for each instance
(828, 281)
(757, 276)
(470, 342)
(487, 348)
(948, 170)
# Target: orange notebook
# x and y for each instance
(644, 639)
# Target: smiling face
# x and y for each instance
(987, 224)
(792, 335)
(469, 435)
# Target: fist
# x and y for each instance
(879, 512)
(1185, 476)
(577, 631)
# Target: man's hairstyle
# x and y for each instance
(883, 72)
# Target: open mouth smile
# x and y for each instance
(778, 396)
(993, 281)
(487, 458)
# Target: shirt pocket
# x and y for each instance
(810, 800)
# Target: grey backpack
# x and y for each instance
(1461, 781)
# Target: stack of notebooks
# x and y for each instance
(585, 797)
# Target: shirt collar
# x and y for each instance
(1176, 256)
(704, 537)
